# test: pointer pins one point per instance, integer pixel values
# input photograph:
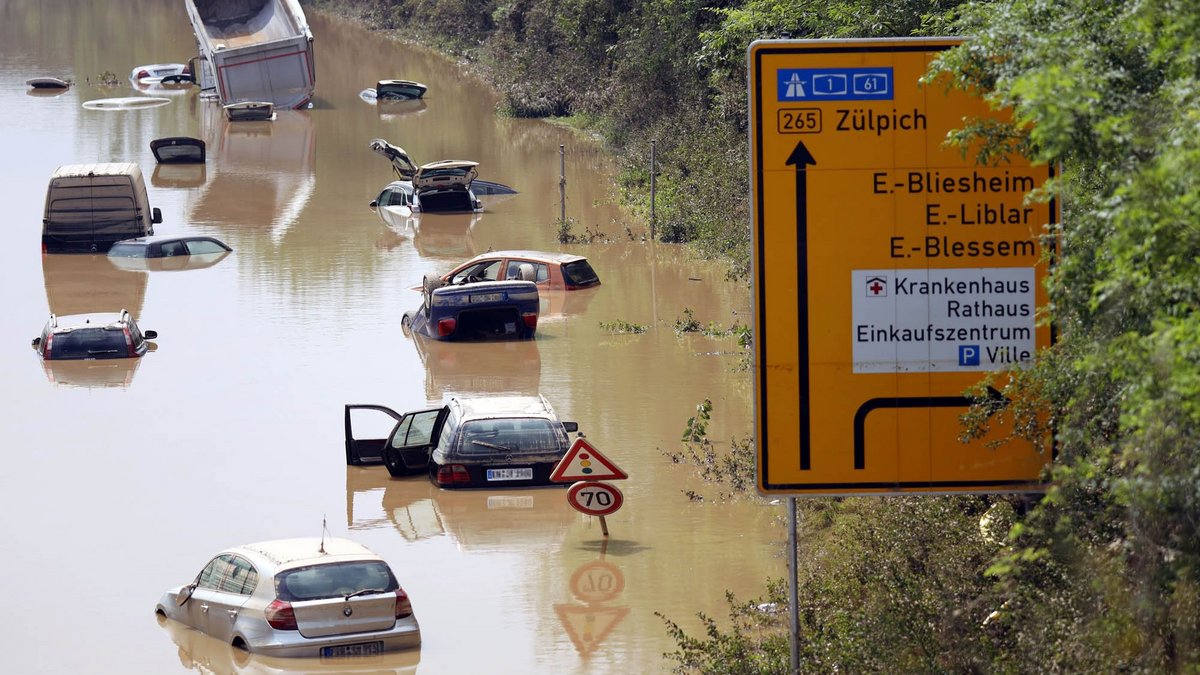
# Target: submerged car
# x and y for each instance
(492, 441)
(445, 185)
(476, 310)
(395, 90)
(550, 271)
(97, 335)
(178, 150)
(298, 597)
(165, 247)
(160, 72)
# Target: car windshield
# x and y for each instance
(508, 436)
(334, 580)
(89, 343)
(579, 273)
(127, 251)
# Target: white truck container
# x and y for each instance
(254, 50)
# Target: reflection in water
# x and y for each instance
(467, 368)
(179, 175)
(477, 520)
(434, 235)
(205, 654)
(179, 263)
(79, 284)
(596, 584)
(262, 171)
(92, 373)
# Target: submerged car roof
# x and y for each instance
(485, 407)
(65, 322)
(544, 256)
(303, 551)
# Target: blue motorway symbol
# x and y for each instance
(968, 355)
(835, 84)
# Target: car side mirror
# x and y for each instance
(571, 427)
(150, 334)
(185, 594)
(155, 215)
(374, 203)
(37, 341)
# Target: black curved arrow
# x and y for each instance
(860, 417)
(801, 158)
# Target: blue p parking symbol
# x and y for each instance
(968, 355)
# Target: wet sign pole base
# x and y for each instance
(891, 274)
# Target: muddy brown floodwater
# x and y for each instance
(122, 479)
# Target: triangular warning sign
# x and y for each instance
(588, 626)
(584, 462)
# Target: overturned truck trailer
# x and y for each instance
(254, 50)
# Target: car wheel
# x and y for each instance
(393, 462)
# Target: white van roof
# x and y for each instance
(101, 169)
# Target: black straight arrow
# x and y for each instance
(801, 158)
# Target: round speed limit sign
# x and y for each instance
(595, 499)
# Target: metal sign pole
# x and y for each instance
(793, 582)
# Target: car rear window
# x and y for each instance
(511, 436)
(579, 273)
(89, 343)
(128, 250)
(333, 580)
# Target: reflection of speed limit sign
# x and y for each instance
(595, 499)
(596, 582)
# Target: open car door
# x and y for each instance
(402, 165)
(412, 441)
(360, 451)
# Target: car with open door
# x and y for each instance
(470, 442)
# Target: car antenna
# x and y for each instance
(322, 548)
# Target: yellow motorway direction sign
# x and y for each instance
(891, 273)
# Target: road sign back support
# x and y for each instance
(891, 274)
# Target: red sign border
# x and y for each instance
(618, 498)
(560, 469)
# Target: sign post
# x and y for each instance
(585, 466)
(891, 274)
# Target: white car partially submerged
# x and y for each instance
(305, 597)
(156, 73)
(447, 185)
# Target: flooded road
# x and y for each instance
(124, 478)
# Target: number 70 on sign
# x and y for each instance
(595, 499)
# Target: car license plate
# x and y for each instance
(487, 297)
(510, 474)
(358, 649)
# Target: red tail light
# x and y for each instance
(446, 327)
(49, 344)
(452, 474)
(403, 606)
(142, 73)
(530, 320)
(128, 342)
(280, 615)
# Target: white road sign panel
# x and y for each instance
(942, 320)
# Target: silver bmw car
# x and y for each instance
(298, 597)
